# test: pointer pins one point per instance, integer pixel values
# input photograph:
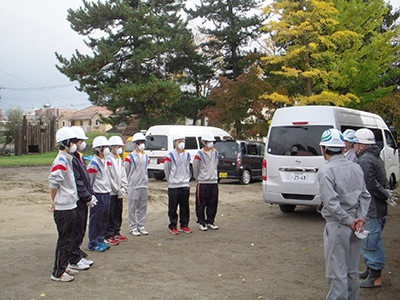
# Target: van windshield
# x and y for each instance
(296, 140)
(156, 142)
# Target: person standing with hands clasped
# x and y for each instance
(135, 165)
(177, 173)
(98, 216)
(63, 206)
(205, 171)
(86, 198)
(345, 202)
(116, 173)
(377, 184)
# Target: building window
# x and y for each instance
(97, 122)
(63, 124)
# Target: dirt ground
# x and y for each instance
(258, 252)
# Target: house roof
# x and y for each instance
(87, 113)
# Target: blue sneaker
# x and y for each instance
(105, 246)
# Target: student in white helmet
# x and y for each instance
(205, 171)
(63, 203)
(349, 136)
(136, 164)
(177, 173)
(116, 173)
(377, 184)
(345, 205)
(86, 198)
(98, 216)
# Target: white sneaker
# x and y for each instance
(79, 266)
(70, 271)
(135, 232)
(143, 231)
(212, 226)
(203, 227)
(64, 277)
(86, 261)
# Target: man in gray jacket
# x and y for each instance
(177, 173)
(205, 171)
(345, 204)
(377, 185)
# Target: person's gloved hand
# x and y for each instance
(392, 199)
(92, 202)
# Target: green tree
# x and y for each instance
(335, 50)
(230, 28)
(127, 71)
(14, 116)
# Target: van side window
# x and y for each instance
(243, 148)
(261, 149)
(251, 149)
(378, 137)
(191, 143)
(390, 140)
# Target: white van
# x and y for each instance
(293, 155)
(159, 143)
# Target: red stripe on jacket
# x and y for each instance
(197, 157)
(127, 160)
(90, 171)
(59, 167)
(109, 163)
(167, 159)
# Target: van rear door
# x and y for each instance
(293, 159)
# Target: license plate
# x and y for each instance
(223, 175)
(153, 161)
(299, 177)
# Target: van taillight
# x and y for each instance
(160, 160)
(239, 159)
(264, 169)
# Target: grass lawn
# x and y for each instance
(28, 160)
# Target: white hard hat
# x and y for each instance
(364, 136)
(178, 136)
(65, 133)
(116, 140)
(332, 139)
(349, 135)
(100, 141)
(138, 136)
(208, 136)
(80, 133)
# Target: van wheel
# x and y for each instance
(246, 177)
(392, 182)
(286, 208)
(159, 176)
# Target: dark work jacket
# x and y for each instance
(82, 180)
(375, 180)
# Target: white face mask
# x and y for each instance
(119, 151)
(82, 146)
(73, 148)
(142, 147)
(181, 146)
(106, 151)
(210, 144)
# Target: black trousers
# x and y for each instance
(206, 199)
(65, 221)
(80, 230)
(178, 196)
(115, 217)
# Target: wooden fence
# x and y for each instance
(38, 138)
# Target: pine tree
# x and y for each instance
(231, 26)
(127, 70)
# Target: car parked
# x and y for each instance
(240, 159)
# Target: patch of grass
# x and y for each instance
(44, 159)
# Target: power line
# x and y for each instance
(38, 88)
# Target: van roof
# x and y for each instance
(322, 115)
(185, 129)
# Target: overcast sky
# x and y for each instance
(31, 32)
